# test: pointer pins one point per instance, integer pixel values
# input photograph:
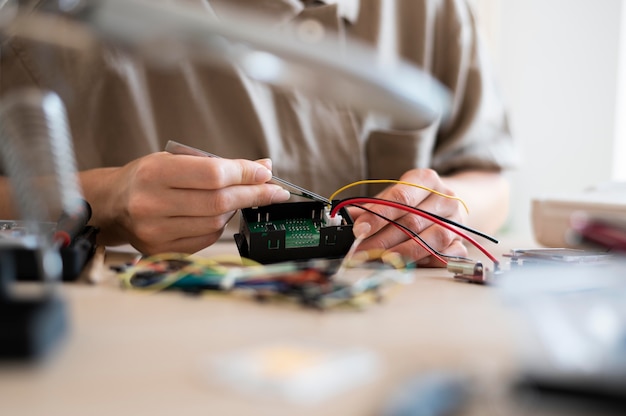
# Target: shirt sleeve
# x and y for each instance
(476, 134)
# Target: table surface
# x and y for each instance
(133, 353)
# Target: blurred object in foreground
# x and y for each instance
(325, 65)
(300, 372)
(36, 152)
(38, 156)
(431, 394)
(551, 215)
(605, 233)
(573, 337)
(556, 256)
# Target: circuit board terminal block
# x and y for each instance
(293, 231)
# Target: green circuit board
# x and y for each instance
(299, 232)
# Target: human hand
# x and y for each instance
(380, 234)
(176, 203)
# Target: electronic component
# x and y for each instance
(314, 283)
(14, 238)
(474, 272)
(547, 256)
(293, 231)
(470, 271)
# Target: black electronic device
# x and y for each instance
(293, 231)
(32, 323)
(74, 257)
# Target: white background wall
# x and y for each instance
(562, 67)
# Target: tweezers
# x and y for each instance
(182, 149)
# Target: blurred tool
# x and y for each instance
(573, 337)
(605, 233)
(556, 256)
(39, 162)
(552, 214)
(39, 157)
(299, 372)
(342, 70)
(71, 224)
(434, 394)
(37, 154)
(182, 149)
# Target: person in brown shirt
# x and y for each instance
(122, 111)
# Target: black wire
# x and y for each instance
(440, 218)
(413, 233)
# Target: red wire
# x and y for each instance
(364, 200)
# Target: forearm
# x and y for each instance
(487, 196)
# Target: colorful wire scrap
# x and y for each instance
(311, 283)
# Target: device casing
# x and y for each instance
(270, 245)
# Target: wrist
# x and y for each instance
(101, 190)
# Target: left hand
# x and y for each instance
(383, 235)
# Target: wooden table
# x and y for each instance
(129, 353)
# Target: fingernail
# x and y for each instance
(262, 174)
(361, 230)
(281, 195)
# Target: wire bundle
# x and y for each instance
(310, 283)
(450, 225)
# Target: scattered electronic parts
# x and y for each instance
(293, 231)
(475, 272)
(312, 283)
(547, 256)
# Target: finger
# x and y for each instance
(188, 245)
(194, 172)
(193, 202)
(456, 249)
(437, 238)
(160, 231)
(412, 196)
(355, 212)
(265, 162)
(391, 235)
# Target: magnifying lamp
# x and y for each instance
(312, 60)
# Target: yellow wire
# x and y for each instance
(233, 260)
(196, 262)
(371, 181)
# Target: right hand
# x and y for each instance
(175, 203)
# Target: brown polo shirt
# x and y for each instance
(121, 108)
